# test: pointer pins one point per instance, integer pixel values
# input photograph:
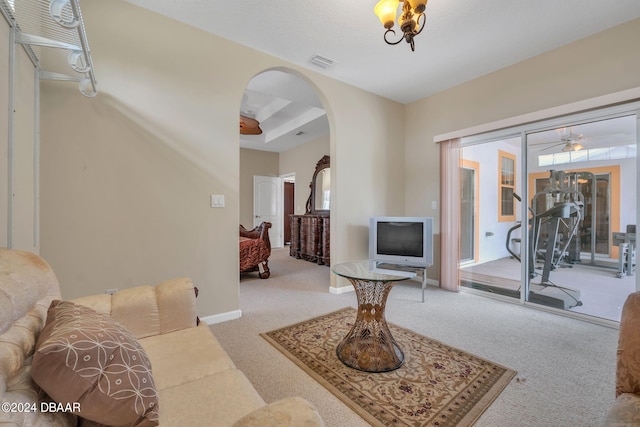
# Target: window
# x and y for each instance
(506, 186)
(626, 151)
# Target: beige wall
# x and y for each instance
(253, 162)
(4, 124)
(302, 161)
(24, 149)
(126, 177)
(18, 185)
(365, 166)
(604, 63)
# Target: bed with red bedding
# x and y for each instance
(255, 249)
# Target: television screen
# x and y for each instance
(400, 239)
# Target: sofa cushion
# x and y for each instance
(27, 287)
(183, 356)
(628, 355)
(625, 412)
(169, 306)
(90, 362)
(289, 412)
(217, 400)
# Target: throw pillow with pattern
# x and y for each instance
(87, 359)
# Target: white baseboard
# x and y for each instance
(222, 317)
(433, 282)
(341, 290)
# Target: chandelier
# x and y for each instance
(411, 19)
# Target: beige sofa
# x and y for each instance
(625, 411)
(192, 382)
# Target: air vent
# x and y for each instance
(322, 62)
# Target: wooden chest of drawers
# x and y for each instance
(310, 238)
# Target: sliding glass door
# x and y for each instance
(548, 212)
(490, 176)
(582, 187)
(468, 211)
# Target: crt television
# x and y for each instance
(401, 240)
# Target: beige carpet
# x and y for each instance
(437, 385)
(566, 367)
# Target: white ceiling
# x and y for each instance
(618, 132)
(288, 109)
(463, 39)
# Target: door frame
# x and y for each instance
(276, 241)
(475, 166)
(288, 177)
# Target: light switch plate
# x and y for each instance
(217, 201)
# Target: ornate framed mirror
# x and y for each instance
(319, 199)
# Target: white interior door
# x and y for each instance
(267, 206)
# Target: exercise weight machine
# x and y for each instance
(556, 213)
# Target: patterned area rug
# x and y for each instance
(436, 386)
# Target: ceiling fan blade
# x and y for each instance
(559, 141)
(250, 131)
(553, 146)
(249, 126)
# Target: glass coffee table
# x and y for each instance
(369, 346)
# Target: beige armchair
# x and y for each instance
(626, 409)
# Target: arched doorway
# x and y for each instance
(284, 131)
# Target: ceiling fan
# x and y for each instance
(249, 126)
(569, 141)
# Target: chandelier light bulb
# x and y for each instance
(386, 11)
(411, 18)
(417, 6)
